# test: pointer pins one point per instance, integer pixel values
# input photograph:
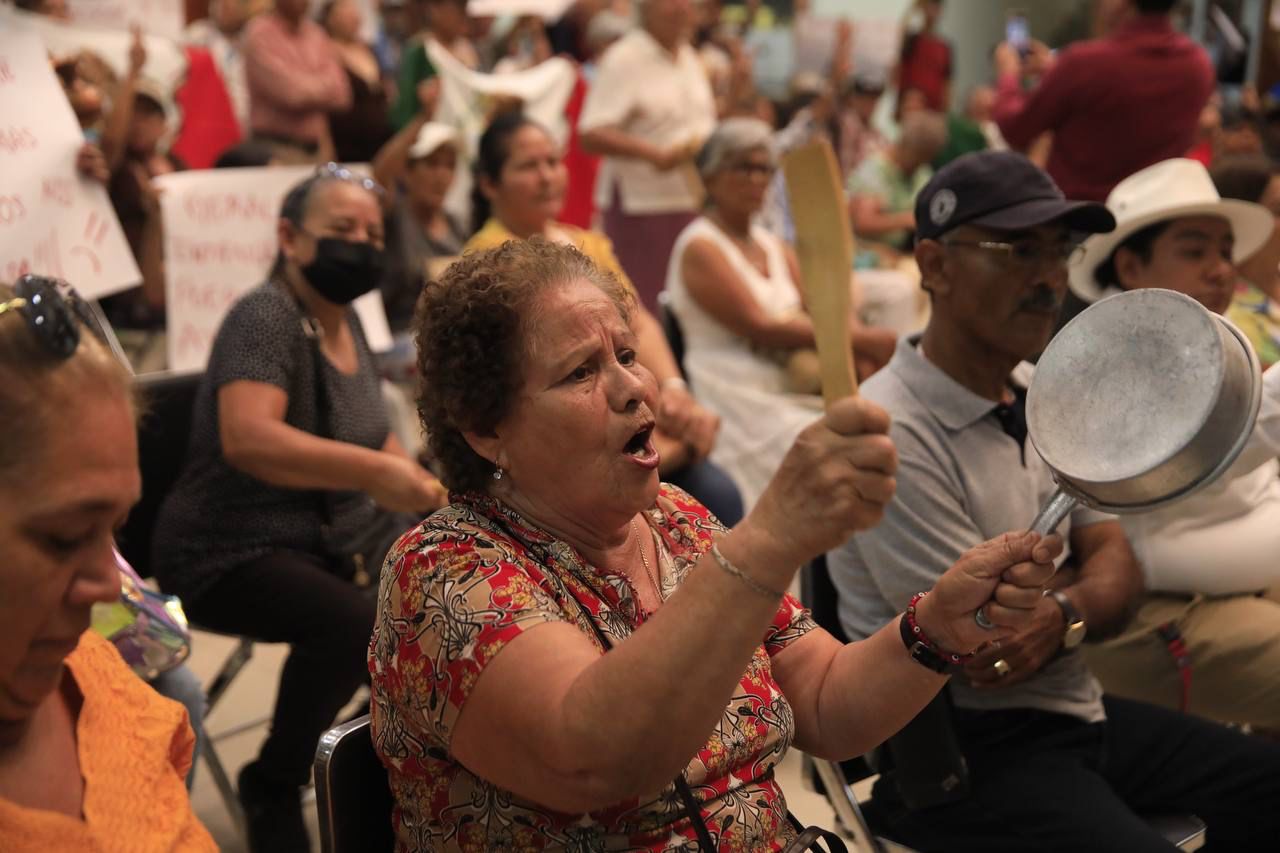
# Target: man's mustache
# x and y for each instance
(1041, 300)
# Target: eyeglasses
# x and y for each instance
(341, 173)
(52, 308)
(752, 170)
(1027, 253)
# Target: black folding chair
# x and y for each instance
(353, 797)
(164, 431)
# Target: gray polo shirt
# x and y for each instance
(961, 481)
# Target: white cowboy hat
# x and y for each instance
(432, 136)
(1172, 189)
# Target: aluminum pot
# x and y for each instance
(1140, 401)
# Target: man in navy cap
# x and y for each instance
(1052, 763)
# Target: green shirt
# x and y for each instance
(879, 176)
(414, 68)
(1259, 318)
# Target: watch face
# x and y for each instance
(1074, 635)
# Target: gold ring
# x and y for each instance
(1002, 667)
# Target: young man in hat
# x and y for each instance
(1204, 639)
(1052, 763)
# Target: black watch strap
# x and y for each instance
(921, 653)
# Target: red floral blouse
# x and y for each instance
(459, 587)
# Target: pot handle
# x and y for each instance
(1051, 514)
(1046, 521)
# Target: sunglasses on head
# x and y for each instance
(342, 173)
(55, 313)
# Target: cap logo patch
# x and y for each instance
(941, 206)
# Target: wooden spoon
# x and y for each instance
(824, 248)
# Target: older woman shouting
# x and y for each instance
(574, 656)
(520, 188)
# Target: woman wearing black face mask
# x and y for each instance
(294, 487)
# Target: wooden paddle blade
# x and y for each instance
(824, 248)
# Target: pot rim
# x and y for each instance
(1228, 459)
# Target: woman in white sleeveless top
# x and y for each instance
(733, 288)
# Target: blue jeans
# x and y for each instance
(181, 685)
(713, 489)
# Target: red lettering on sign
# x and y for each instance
(207, 209)
(14, 139)
(12, 209)
(58, 191)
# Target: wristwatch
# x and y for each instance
(1076, 629)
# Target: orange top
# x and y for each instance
(135, 750)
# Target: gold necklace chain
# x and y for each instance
(644, 561)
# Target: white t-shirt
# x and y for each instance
(1226, 538)
(645, 91)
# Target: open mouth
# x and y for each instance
(640, 446)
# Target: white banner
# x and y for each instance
(52, 220)
(466, 97)
(165, 18)
(220, 242)
(547, 10)
(873, 49)
(166, 63)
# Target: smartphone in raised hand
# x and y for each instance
(1017, 32)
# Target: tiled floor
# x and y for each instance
(252, 695)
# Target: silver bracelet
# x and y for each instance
(738, 573)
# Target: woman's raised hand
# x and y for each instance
(836, 479)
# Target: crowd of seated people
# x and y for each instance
(574, 608)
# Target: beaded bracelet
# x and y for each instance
(738, 573)
(923, 650)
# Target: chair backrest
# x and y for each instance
(819, 594)
(353, 797)
(164, 432)
(671, 328)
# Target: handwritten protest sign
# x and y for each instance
(220, 242)
(52, 220)
(156, 17)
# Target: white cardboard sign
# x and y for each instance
(165, 18)
(53, 221)
(220, 242)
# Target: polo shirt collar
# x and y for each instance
(1153, 23)
(954, 405)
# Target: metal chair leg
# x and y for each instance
(230, 799)
(845, 804)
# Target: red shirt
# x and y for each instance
(926, 65)
(1114, 105)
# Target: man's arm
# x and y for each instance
(1023, 116)
(1108, 583)
(1105, 589)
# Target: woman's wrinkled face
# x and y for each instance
(428, 178)
(59, 511)
(530, 189)
(1191, 256)
(578, 442)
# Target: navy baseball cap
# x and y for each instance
(1002, 190)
